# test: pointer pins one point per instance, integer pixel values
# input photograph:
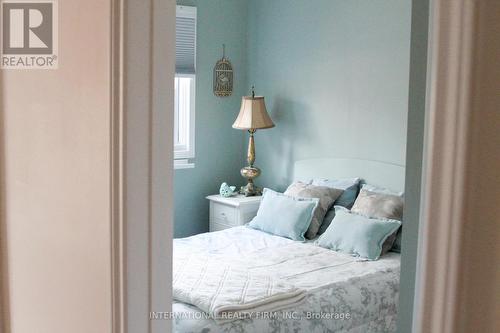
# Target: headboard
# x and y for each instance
(388, 175)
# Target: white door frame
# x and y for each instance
(143, 68)
(142, 71)
(455, 282)
(143, 62)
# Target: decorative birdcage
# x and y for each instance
(223, 76)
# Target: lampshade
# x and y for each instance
(253, 114)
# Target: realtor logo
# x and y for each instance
(29, 34)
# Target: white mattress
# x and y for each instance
(338, 285)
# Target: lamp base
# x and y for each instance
(249, 190)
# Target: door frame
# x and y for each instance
(142, 71)
(455, 270)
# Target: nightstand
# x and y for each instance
(231, 212)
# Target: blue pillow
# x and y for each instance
(357, 234)
(349, 185)
(283, 215)
(396, 247)
(346, 199)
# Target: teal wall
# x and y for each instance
(218, 146)
(335, 76)
(416, 121)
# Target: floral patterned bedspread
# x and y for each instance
(345, 294)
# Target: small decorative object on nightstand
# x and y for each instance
(231, 212)
(227, 191)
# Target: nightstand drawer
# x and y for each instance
(216, 226)
(224, 214)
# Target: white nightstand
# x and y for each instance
(231, 212)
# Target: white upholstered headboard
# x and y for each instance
(391, 176)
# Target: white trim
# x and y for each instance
(162, 173)
(186, 11)
(183, 164)
(188, 151)
(143, 62)
(118, 255)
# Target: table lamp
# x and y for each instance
(253, 116)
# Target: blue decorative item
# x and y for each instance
(226, 190)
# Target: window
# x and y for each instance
(185, 78)
(184, 116)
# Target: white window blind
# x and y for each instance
(185, 40)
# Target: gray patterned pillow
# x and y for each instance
(326, 196)
(380, 205)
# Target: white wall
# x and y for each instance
(56, 216)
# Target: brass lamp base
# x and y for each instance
(250, 172)
(249, 190)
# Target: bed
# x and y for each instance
(343, 293)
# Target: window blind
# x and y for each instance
(185, 40)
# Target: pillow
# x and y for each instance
(357, 234)
(383, 190)
(349, 185)
(397, 243)
(396, 246)
(326, 196)
(380, 205)
(283, 215)
(346, 199)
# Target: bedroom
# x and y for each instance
(334, 76)
(374, 125)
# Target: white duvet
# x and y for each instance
(229, 291)
(334, 284)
